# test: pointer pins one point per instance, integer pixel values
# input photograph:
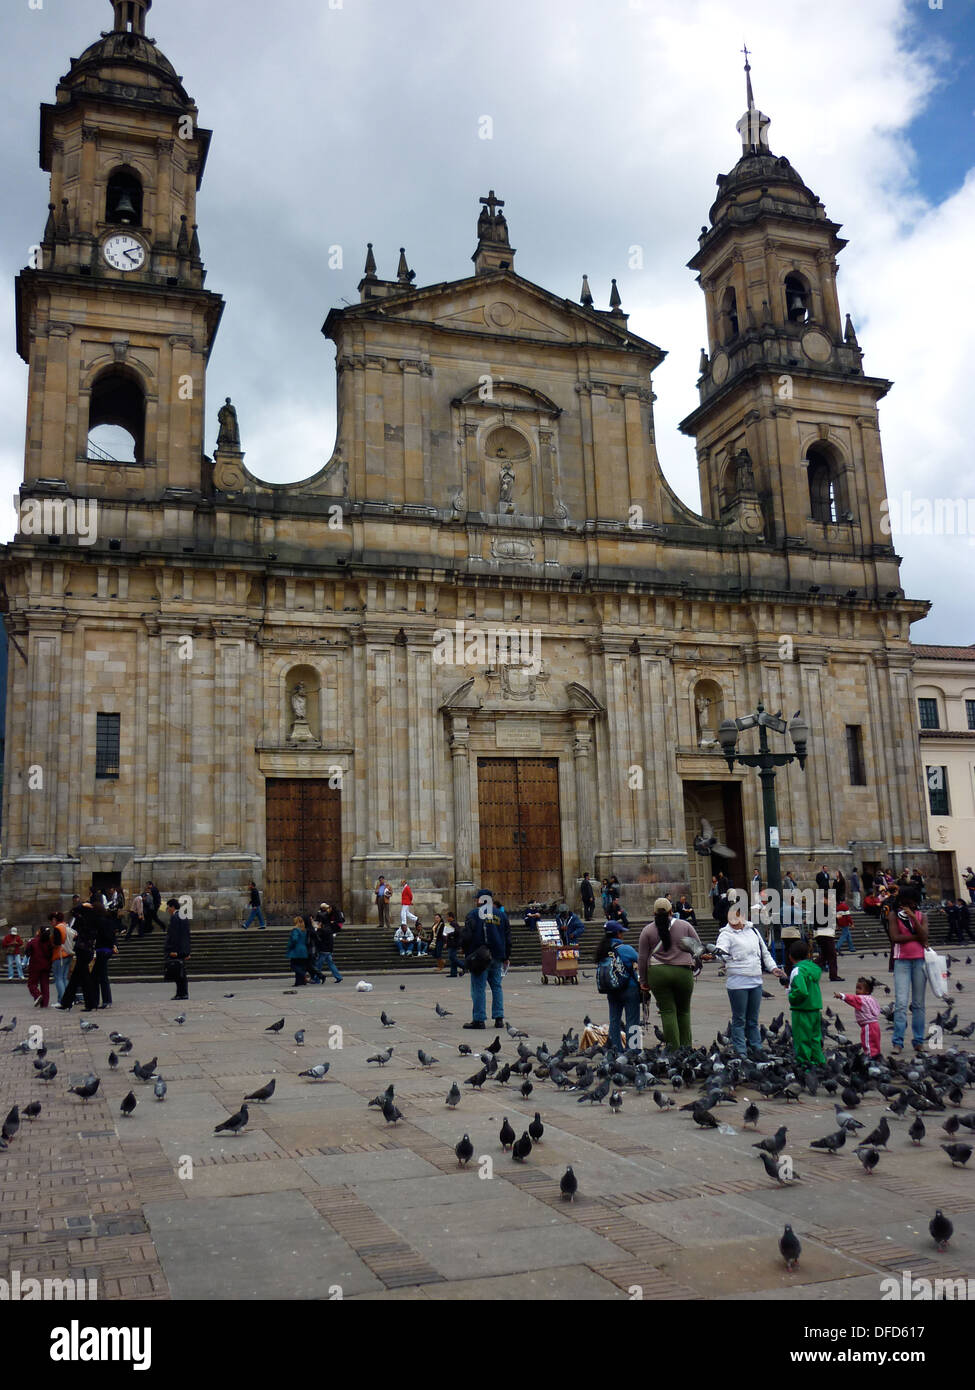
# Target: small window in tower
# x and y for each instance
(107, 739)
(826, 489)
(796, 299)
(117, 418)
(123, 201)
(729, 308)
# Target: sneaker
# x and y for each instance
(896, 1047)
(475, 1023)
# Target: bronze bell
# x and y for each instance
(125, 208)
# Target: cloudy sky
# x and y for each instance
(338, 122)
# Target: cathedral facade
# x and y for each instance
(486, 642)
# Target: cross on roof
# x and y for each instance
(491, 202)
(745, 51)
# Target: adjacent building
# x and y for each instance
(944, 691)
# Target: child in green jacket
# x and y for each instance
(806, 1002)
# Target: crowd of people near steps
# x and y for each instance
(74, 950)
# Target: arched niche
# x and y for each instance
(302, 705)
(707, 711)
(508, 471)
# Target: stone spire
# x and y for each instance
(615, 302)
(493, 251)
(753, 126)
(404, 274)
(586, 296)
(370, 269)
(130, 16)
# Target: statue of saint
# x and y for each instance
(507, 483)
(707, 740)
(229, 432)
(299, 703)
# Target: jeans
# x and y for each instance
(910, 978)
(255, 912)
(100, 973)
(403, 948)
(672, 987)
(845, 938)
(479, 983)
(626, 1001)
(13, 963)
(59, 975)
(745, 1004)
(325, 958)
(452, 957)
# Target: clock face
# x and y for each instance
(124, 252)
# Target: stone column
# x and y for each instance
(585, 830)
(460, 765)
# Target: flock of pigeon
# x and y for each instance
(931, 1086)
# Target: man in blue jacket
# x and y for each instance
(485, 928)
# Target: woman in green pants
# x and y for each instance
(666, 968)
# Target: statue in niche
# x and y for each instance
(506, 484)
(705, 733)
(229, 431)
(300, 730)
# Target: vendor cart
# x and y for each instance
(559, 963)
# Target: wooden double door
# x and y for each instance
(520, 829)
(304, 846)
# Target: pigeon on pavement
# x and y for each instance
(453, 1095)
(443, 1013)
(790, 1248)
(390, 1111)
(128, 1103)
(507, 1135)
(300, 1037)
(958, 1153)
(478, 1079)
(521, 1148)
(464, 1150)
(869, 1157)
(387, 1022)
(160, 1088)
(425, 1059)
(33, 1110)
(381, 1057)
(275, 1027)
(568, 1185)
(941, 1230)
(536, 1129)
(264, 1093)
(236, 1122)
(316, 1073)
(86, 1090)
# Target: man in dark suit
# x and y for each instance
(177, 949)
(588, 896)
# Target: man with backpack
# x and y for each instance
(486, 943)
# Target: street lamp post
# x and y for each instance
(766, 761)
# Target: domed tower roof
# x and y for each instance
(124, 64)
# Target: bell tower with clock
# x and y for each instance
(112, 315)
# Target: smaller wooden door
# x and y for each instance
(304, 846)
(520, 828)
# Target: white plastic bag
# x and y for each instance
(363, 987)
(937, 972)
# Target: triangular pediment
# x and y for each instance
(503, 304)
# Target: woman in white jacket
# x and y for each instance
(747, 956)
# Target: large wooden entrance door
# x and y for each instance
(304, 845)
(720, 804)
(521, 829)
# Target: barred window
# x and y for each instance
(928, 714)
(970, 713)
(938, 790)
(854, 755)
(107, 737)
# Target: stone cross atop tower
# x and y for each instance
(753, 126)
(494, 251)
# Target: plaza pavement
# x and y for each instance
(319, 1198)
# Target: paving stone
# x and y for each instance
(269, 1246)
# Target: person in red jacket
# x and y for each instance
(13, 948)
(40, 954)
(406, 917)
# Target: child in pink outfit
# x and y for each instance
(866, 1011)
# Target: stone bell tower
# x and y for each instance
(787, 424)
(112, 315)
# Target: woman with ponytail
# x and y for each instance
(668, 948)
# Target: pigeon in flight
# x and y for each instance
(790, 1248)
(706, 843)
(160, 1089)
(453, 1095)
(380, 1101)
(128, 1104)
(381, 1057)
(941, 1230)
(316, 1073)
(264, 1093)
(507, 1135)
(236, 1122)
(275, 1027)
(464, 1150)
(568, 1185)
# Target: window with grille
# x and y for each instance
(970, 713)
(928, 714)
(107, 736)
(854, 755)
(938, 791)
